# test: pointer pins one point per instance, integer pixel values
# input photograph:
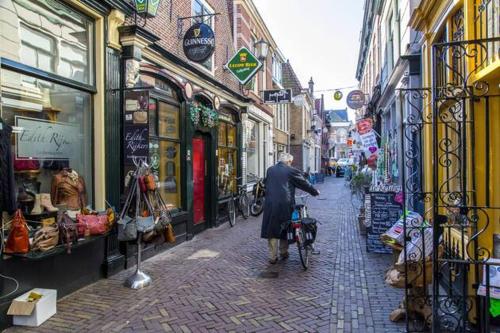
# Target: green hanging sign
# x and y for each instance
(244, 65)
(148, 7)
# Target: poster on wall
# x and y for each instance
(136, 127)
(42, 139)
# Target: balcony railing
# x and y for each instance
(487, 25)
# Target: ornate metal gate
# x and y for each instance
(463, 205)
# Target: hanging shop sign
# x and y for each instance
(244, 65)
(364, 126)
(136, 127)
(199, 42)
(355, 99)
(279, 96)
(147, 7)
(338, 95)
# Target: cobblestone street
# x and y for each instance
(221, 282)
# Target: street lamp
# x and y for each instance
(261, 48)
(148, 8)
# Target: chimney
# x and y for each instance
(311, 86)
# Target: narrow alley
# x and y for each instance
(221, 281)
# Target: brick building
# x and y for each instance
(303, 142)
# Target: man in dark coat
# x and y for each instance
(281, 181)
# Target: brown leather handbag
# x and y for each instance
(68, 231)
(18, 240)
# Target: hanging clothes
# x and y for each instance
(7, 182)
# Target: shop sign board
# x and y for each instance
(355, 99)
(364, 126)
(199, 42)
(136, 127)
(338, 95)
(244, 65)
(278, 96)
(384, 212)
(148, 7)
(42, 139)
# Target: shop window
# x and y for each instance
(165, 149)
(252, 149)
(51, 142)
(227, 157)
(41, 35)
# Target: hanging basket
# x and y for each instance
(209, 117)
(194, 114)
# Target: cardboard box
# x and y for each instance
(34, 313)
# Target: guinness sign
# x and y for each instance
(199, 42)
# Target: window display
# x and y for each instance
(165, 149)
(252, 147)
(51, 143)
(227, 156)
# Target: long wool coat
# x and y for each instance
(281, 181)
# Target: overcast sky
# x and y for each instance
(320, 37)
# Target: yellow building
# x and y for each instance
(460, 45)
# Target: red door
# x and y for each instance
(199, 180)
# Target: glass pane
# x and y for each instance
(227, 171)
(252, 148)
(152, 118)
(169, 173)
(168, 117)
(231, 135)
(52, 31)
(52, 138)
(222, 134)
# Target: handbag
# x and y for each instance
(127, 229)
(150, 182)
(46, 238)
(68, 232)
(92, 225)
(18, 240)
(145, 224)
(142, 184)
(140, 117)
(169, 234)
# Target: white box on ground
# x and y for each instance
(34, 316)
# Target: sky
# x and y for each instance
(320, 38)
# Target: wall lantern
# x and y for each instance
(261, 48)
(147, 8)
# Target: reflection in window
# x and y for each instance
(252, 147)
(227, 158)
(48, 35)
(54, 131)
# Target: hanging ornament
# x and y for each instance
(337, 95)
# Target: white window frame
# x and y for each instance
(209, 9)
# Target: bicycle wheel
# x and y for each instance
(304, 250)
(244, 205)
(257, 207)
(231, 209)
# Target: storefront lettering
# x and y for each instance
(137, 140)
(45, 140)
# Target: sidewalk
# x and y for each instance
(221, 282)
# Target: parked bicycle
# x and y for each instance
(257, 206)
(243, 204)
(302, 230)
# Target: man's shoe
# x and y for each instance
(284, 256)
(273, 261)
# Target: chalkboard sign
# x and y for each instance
(384, 212)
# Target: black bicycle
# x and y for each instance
(258, 198)
(243, 204)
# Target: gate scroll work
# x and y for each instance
(452, 131)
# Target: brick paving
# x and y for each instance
(221, 282)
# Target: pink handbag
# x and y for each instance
(91, 224)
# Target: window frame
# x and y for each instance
(205, 7)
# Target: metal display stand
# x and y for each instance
(139, 279)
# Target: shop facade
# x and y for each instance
(58, 63)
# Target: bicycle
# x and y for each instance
(258, 198)
(243, 204)
(299, 233)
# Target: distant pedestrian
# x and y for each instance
(281, 181)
